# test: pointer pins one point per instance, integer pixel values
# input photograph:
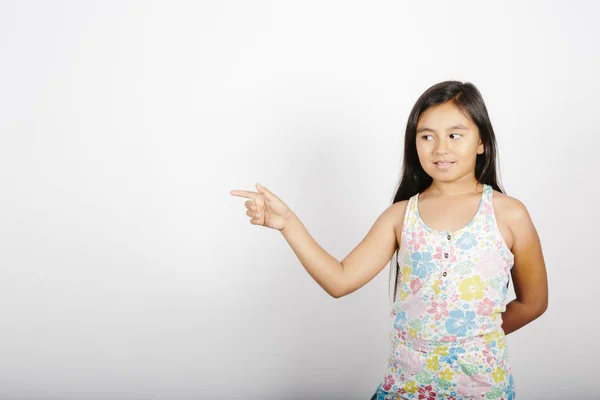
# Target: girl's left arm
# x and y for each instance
(528, 273)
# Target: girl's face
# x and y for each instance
(447, 143)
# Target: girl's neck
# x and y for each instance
(455, 188)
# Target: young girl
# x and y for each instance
(456, 237)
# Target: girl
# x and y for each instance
(456, 237)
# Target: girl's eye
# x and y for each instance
(426, 136)
(457, 134)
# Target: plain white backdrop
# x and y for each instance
(128, 271)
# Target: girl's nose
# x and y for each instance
(442, 149)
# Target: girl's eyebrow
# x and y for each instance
(423, 129)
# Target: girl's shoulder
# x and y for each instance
(506, 204)
(510, 212)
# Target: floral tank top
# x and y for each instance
(447, 340)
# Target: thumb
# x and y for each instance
(264, 191)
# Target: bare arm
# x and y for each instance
(363, 263)
(528, 273)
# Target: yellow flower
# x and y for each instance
(412, 332)
(432, 363)
(436, 286)
(406, 274)
(441, 350)
(500, 345)
(447, 374)
(472, 288)
(498, 374)
(410, 387)
(492, 336)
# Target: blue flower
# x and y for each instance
(460, 322)
(422, 264)
(400, 319)
(452, 355)
(510, 390)
(467, 241)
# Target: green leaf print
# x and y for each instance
(495, 283)
(465, 267)
(443, 384)
(416, 324)
(469, 369)
(494, 393)
(424, 377)
(406, 259)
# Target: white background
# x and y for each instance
(128, 271)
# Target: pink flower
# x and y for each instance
(489, 358)
(417, 239)
(487, 209)
(474, 385)
(450, 338)
(410, 360)
(485, 307)
(414, 306)
(489, 265)
(427, 393)
(438, 255)
(388, 381)
(415, 285)
(439, 309)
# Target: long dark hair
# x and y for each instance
(414, 179)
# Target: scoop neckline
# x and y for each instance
(481, 200)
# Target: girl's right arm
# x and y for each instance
(337, 278)
(359, 267)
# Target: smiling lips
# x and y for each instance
(444, 164)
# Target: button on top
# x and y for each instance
(449, 237)
(446, 255)
(445, 273)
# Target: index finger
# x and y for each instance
(244, 193)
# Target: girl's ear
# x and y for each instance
(480, 148)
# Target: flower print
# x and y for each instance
(441, 350)
(487, 208)
(439, 310)
(427, 393)
(467, 241)
(464, 267)
(410, 360)
(485, 307)
(495, 393)
(422, 264)
(448, 338)
(406, 274)
(433, 363)
(489, 358)
(510, 390)
(447, 374)
(460, 322)
(498, 374)
(414, 307)
(417, 239)
(452, 355)
(415, 285)
(471, 288)
(400, 319)
(410, 387)
(388, 381)
(439, 254)
(475, 385)
(489, 265)
(424, 378)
